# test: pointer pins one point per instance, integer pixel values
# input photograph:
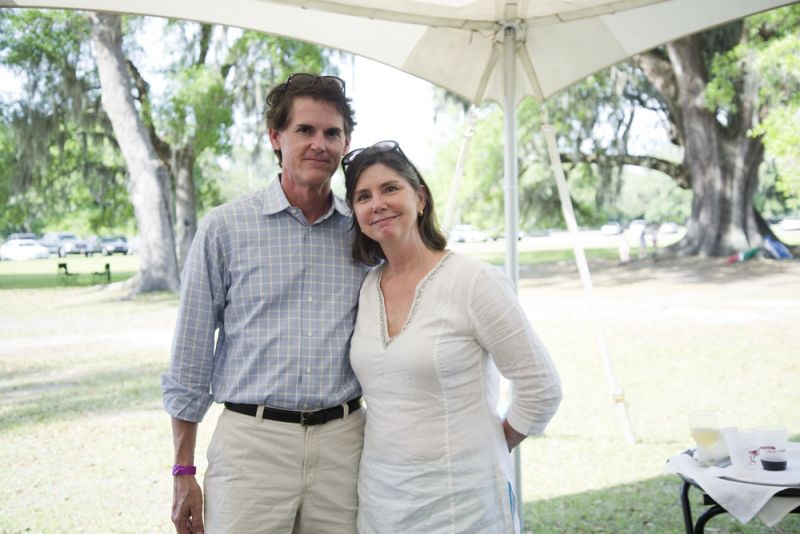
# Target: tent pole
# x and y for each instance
(511, 198)
(617, 395)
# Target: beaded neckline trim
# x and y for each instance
(417, 296)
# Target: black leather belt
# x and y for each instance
(320, 417)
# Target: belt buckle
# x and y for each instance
(311, 418)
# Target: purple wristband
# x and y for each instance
(183, 470)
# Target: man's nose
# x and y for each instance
(318, 141)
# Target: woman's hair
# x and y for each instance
(321, 88)
(367, 250)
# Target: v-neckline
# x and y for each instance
(384, 323)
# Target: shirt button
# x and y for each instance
(310, 299)
(308, 370)
(309, 333)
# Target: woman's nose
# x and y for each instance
(377, 203)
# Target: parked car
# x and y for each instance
(464, 233)
(117, 244)
(22, 249)
(668, 228)
(22, 235)
(611, 228)
(63, 243)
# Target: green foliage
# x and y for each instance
(779, 67)
(198, 109)
(652, 196)
(65, 163)
(772, 39)
(61, 167)
(782, 137)
(592, 122)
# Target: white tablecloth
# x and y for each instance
(743, 497)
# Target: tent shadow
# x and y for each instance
(679, 270)
(38, 399)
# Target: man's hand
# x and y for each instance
(187, 505)
(187, 497)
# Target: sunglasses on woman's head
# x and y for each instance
(378, 148)
(303, 79)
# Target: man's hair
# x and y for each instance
(280, 99)
(367, 250)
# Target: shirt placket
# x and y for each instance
(307, 314)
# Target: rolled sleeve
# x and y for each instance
(501, 327)
(187, 385)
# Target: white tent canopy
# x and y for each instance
(457, 44)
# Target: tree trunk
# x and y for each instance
(149, 179)
(722, 163)
(185, 208)
(721, 160)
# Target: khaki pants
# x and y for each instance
(283, 478)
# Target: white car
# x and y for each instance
(464, 233)
(611, 228)
(22, 249)
(668, 228)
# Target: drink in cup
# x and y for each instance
(706, 434)
(705, 437)
(773, 442)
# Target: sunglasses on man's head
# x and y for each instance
(303, 79)
(378, 148)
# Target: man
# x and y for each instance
(271, 275)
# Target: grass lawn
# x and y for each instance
(86, 447)
(44, 273)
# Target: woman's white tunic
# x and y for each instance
(435, 458)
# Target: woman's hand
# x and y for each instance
(513, 438)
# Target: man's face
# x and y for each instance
(311, 144)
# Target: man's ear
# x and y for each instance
(274, 139)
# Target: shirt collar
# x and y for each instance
(275, 201)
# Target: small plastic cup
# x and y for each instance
(772, 444)
(744, 448)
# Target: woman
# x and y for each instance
(436, 454)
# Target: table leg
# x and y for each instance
(686, 508)
(715, 510)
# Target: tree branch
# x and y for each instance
(675, 170)
(163, 149)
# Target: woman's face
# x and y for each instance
(385, 205)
